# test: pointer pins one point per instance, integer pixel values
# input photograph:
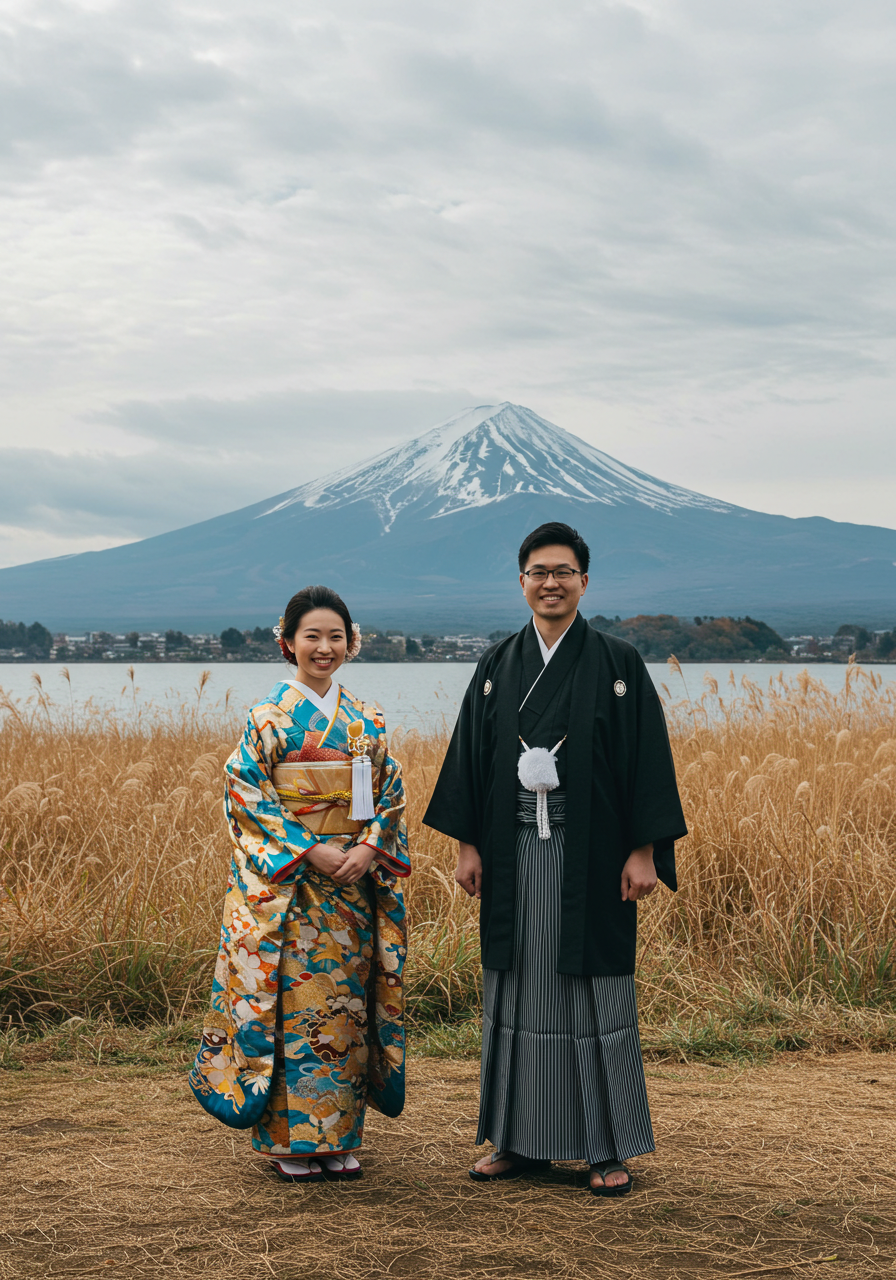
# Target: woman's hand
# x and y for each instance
(357, 863)
(327, 858)
(638, 874)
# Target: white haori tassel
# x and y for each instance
(537, 771)
(362, 789)
(362, 774)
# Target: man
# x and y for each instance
(562, 1076)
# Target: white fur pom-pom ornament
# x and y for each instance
(537, 771)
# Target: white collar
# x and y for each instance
(327, 703)
(546, 653)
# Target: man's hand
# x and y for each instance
(327, 858)
(638, 874)
(469, 870)
(357, 863)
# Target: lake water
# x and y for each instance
(417, 695)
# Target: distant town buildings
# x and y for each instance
(874, 646)
(232, 645)
(655, 637)
(96, 646)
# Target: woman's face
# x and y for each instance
(319, 644)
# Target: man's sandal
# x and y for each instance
(519, 1165)
(297, 1170)
(610, 1166)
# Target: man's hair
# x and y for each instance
(559, 535)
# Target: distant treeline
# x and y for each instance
(655, 636)
(703, 640)
(868, 646)
(709, 639)
(34, 641)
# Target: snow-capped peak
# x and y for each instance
(489, 454)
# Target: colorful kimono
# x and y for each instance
(306, 1024)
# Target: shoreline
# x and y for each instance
(143, 660)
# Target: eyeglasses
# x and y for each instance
(542, 575)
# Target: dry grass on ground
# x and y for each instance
(113, 858)
(114, 854)
(111, 1172)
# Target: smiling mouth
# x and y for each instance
(551, 599)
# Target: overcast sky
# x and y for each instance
(246, 242)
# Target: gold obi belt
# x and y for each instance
(319, 793)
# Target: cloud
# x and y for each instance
(658, 215)
(78, 83)
(311, 429)
(227, 454)
(122, 498)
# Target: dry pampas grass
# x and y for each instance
(113, 858)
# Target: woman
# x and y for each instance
(306, 1020)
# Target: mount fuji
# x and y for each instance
(424, 536)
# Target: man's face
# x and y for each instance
(551, 597)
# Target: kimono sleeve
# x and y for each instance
(387, 830)
(656, 816)
(452, 808)
(273, 841)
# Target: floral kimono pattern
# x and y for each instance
(306, 1024)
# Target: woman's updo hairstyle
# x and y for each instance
(305, 601)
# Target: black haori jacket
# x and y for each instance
(620, 788)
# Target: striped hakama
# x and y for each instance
(562, 1076)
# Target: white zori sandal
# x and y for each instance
(297, 1170)
(341, 1164)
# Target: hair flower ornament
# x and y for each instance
(354, 645)
(284, 647)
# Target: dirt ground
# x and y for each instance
(783, 1169)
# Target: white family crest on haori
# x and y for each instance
(619, 688)
(537, 771)
(487, 688)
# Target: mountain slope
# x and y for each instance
(425, 536)
(485, 455)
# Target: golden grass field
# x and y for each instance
(770, 1161)
(114, 856)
